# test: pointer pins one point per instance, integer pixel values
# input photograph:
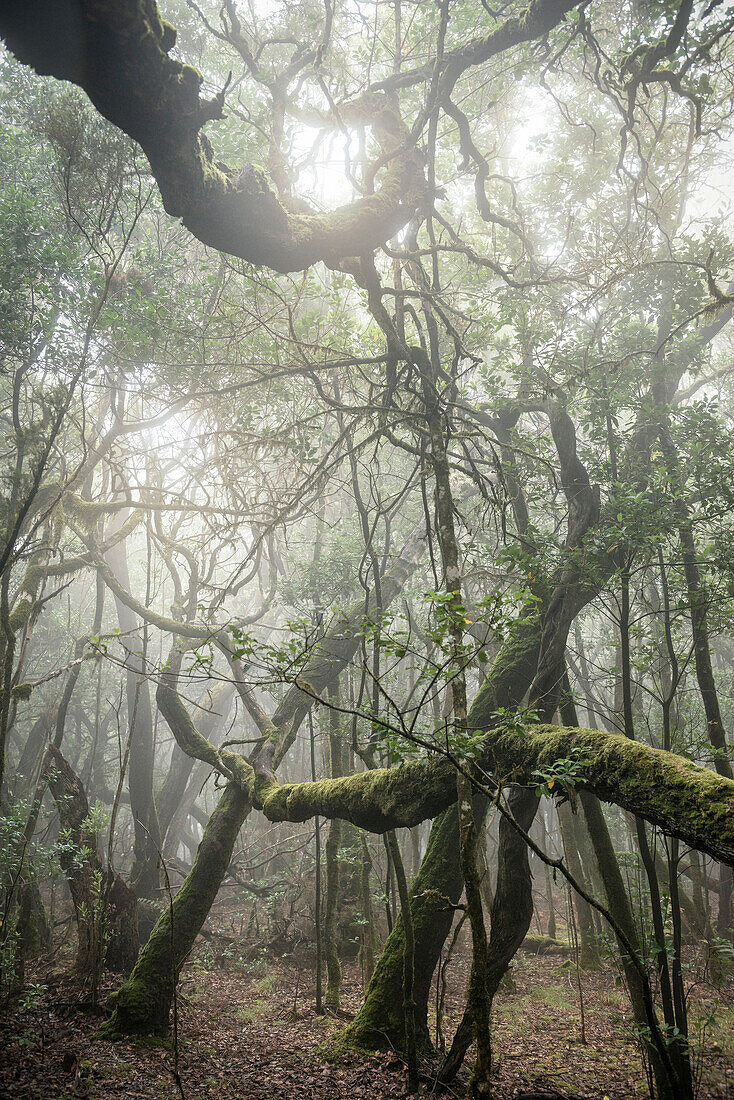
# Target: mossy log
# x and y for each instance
(691, 802)
(683, 799)
(687, 801)
(543, 945)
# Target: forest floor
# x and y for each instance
(248, 1031)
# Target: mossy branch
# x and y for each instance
(687, 801)
(119, 54)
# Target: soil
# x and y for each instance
(248, 1031)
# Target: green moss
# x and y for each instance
(22, 691)
(256, 181)
(511, 673)
(554, 996)
(380, 1022)
(168, 36)
(692, 802)
(33, 578)
(118, 1072)
(251, 1012)
(242, 772)
(142, 1005)
(151, 18)
(86, 512)
(183, 728)
(190, 77)
(377, 800)
(341, 1047)
(20, 614)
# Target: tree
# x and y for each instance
(493, 361)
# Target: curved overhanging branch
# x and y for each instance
(378, 800)
(687, 801)
(117, 52)
(192, 631)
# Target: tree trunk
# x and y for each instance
(512, 912)
(88, 880)
(438, 885)
(143, 1004)
(436, 890)
(145, 876)
(369, 936)
(588, 947)
(333, 844)
(697, 599)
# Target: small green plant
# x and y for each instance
(31, 996)
(554, 996)
(563, 774)
(258, 965)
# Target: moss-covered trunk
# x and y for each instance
(512, 912)
(33, 934)
(170, 795)
(143, 1004)
(437, 888)
(438, 884)
(79, 859)
(410, 1043)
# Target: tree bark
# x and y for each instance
(119, 54)
(143, 1004)
(588, 948)
(438, 885)
(88, 879)
(145, 877)
(333, 844)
